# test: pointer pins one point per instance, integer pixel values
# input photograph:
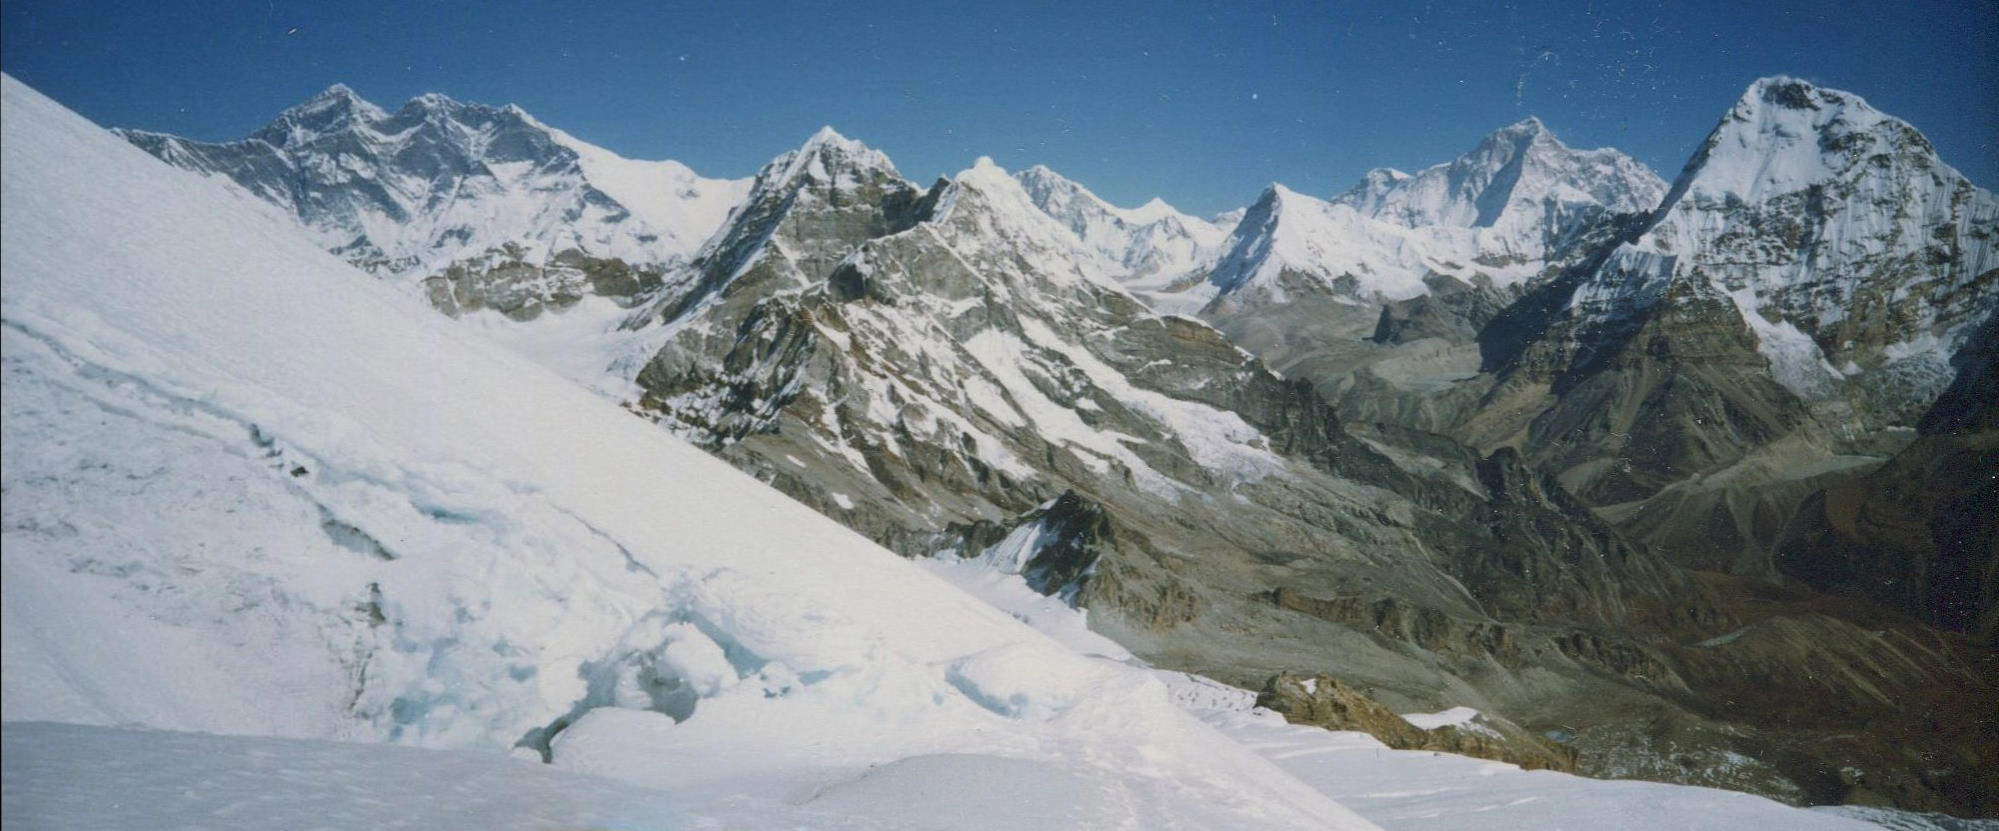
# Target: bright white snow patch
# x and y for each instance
(1461, 717)
(75, 777)
(498, 551)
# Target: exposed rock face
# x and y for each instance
(1920, 533)
(949, 370)
(1323, 701)
(1378, 295)
(1458, 491)
(1796, 301)
(487, 207)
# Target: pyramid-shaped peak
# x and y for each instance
(334, 108)
(1786, 133)
(1278, 197)
(826, 159)
(828, 138)
(1154, 209)
(829, 157)
(337, 90)
(1271, 203)
(433, 101)
(1783, 98)
(1524, 133)
(827, 141)
(338, 98)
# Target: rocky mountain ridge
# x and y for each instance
(477, 207)
(956, 370)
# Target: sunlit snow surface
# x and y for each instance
(64, 776)
(1411, 789)
(250, 490)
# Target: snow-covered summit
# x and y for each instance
(802, 213)
(364, 524)
(1148, 245)
(440, 183)
(337, 107)
(1858, 257)
(1498, 216)
(1520, 180)
(1786, 134)
(827, 157)
(1289, 242)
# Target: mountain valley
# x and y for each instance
(1691, 481)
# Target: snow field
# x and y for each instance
(503, 551)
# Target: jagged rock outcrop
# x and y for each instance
(1323, 701)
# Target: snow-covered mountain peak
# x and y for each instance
(828, 157)
(1524, 131)
(336, 108)
(826, 135)
(1288, 241)
(828, 164)
(474, 206)
(1858, 258)
(1153, 210)
(999, 215)
(1785, 134)
(1149, 244)
(1519, 179)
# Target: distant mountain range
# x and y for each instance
(1701, 476)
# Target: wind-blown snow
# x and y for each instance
(333, 515)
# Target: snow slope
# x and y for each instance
(249, 491)
(75, 777)
(1413, 789)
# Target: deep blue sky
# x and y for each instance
(1201, 103)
